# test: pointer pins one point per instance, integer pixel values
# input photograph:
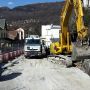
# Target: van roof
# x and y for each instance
(33, 36)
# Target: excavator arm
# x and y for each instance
(81, 30)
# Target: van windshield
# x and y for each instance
(32, 41)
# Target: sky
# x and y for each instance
(14, 3)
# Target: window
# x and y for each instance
(32, 41)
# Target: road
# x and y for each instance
(41, 74)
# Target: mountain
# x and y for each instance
(32, 16)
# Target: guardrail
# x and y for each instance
(11, 52)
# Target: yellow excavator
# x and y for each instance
(79, 49)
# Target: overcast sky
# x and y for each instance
(13, 3)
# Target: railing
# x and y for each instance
(11, 49)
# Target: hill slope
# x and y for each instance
(33, 15)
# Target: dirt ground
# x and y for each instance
(41, 74)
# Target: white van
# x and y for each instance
(33, 46)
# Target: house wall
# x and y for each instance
(86, 3)
(50, 33)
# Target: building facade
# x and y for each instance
(50, 33)
(86, 3)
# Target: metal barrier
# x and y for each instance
(13, 50)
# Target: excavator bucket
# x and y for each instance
(80, 52)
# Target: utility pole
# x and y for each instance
(88, 3)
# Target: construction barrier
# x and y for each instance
(1, 57)
(5, 57)
(9, 56)
(14, 53)
(18, 53)
(10, 49)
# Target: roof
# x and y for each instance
(2, 23)
(12, 34)
(16, 34)
(48, 27)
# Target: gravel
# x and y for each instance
(42, 74)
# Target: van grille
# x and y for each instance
(28, 48)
